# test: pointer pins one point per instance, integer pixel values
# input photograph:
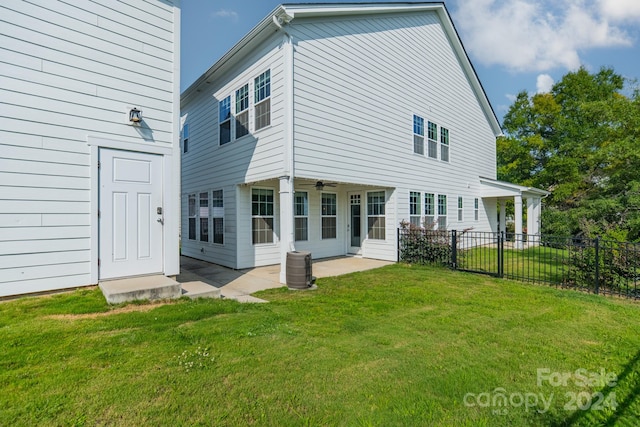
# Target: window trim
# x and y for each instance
(273, 217)
(444, 143)
(432, 131)
(476, 209)
(304, 215)
(214, 217)
(258, 102)
(201, 217)
(442, 213)
(323, 215)
(460, 209)
(242, 111)
(222, 121)
(415, 201)
(430, 210)
(418, 135)
(382, 215)
(185, 138)
(192, 215)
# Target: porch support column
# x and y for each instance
(286, 223)
(531, 215)
(538, 213)
(517, 202)
(502, 205)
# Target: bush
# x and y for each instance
(421, 246)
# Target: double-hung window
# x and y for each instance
(301, 214)
(203, 213)
(429, 210)
(192, 216)
(185, 138)
(217, 216)
(375, 215)
(418, 135)
(262, 209)
(262, 100)
(476, 209)
(460, 210)
(444, 144)
(442, 212)
(329, 215)
(242, 111)
(414, 208)
(224, 109)
(432, 135)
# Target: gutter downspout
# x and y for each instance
(287, 237)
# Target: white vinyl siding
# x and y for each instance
(69, 72)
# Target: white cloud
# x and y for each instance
(537, 35)
(544, 83)
(224, 13)
(511, 97)
(621, 10)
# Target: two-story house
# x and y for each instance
(326, 126)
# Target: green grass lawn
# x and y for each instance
(402, 345)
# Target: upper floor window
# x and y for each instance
(329, 215)
(185, 138)
(262, 100)
(444, 144)
(224, 108)
(375, 215)
(301, 213)
(418, 135)
(432, 134)
(414, 208)
(242, 111)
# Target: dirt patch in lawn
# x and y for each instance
(132, 308)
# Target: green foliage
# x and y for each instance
(581, 141)
(421, 246)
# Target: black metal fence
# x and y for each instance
(592, 265)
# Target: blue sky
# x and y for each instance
(514, 45)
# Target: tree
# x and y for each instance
(581, 141)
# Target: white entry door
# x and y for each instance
(354, 223)
(131, 213)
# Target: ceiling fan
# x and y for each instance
(319, 185)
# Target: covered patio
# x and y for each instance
(503, 191)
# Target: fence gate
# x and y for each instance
(478, 252)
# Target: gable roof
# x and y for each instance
(287, 12)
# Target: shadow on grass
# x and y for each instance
(625, 394)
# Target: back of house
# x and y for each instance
(327, 126)
(89, 142)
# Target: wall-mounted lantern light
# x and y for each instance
(135, 115)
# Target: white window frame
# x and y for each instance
(430, 210)
(301, 216)
(203, 214)
(224, 120)
(325, 214)
(192, 215)
(418, 135)
(272, 216)
(373, 230)
(262, 99)
(442, 211)
(444, 144)
(185, 138)
(460, 208)
(432, 138)
(415, 200)
(239, 111)
(217, 216)
(476, 209)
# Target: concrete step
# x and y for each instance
(198, 289)
(140, 288)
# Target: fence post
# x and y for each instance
(501, 254)
(597, 278)
(398, 237)
(454, 250)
